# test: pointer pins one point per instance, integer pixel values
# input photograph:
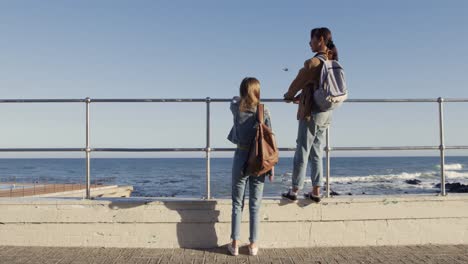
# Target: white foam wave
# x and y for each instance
(375, 178)
(423, 176)
(456, 175)
(456, 166)
(383, 178)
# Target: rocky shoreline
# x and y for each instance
(455, 187)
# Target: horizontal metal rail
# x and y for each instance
(148, 100)
(148, 149)
(384, 148)
(456, 147)
(42, 149)
(42, 100)
(217, 149)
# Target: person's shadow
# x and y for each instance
(196, 228)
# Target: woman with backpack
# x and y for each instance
(244, 110)
(313, 121)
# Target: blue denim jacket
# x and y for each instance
(243, 131)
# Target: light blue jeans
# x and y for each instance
(310, 139)
(239, 183)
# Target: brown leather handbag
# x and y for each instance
(263, 152)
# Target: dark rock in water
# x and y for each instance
(457, 187)
(334, 193)
(414, 182)
(454, 187)
(350, 194)
(349, 183)
(363, 192)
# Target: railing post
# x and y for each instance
(208, 149)
(327, 149)
(88, 152)
(440, 100)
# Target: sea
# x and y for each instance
(186, 177)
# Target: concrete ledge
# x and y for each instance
(104, 191)
(167, 223)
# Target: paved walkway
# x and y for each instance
(407, 254)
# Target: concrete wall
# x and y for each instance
(343, 221)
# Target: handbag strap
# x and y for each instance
(260, 113)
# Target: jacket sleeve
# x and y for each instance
(233, 137)
(235, 105)
(302, 78)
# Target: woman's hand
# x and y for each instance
(271, 177)
(297, 99)
(294, 100)
(288, 98)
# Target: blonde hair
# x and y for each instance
(249, 94)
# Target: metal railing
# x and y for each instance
(208, 149)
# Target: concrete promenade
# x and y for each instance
(385, 254)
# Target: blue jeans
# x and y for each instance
(239, 183)
(310, 138)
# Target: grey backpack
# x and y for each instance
(332, 90)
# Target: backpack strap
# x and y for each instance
(260, 113)
(320, 57)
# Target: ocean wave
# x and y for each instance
(383, 178)
(424, 176)
(456, 175)
(455, 166)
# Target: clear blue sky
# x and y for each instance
(195, 49)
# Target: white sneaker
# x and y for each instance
(253, 251)
(233, 250)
